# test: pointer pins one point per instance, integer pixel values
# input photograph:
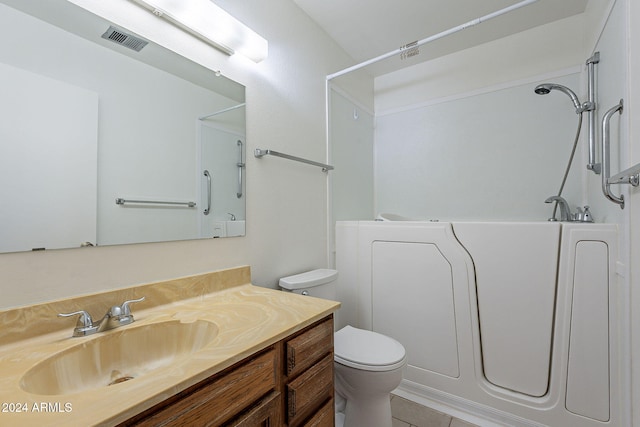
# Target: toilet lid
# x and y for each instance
(367, 350)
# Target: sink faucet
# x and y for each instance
(565, 213)
(116, 316)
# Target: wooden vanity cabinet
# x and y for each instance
(308, 376)
(287, 384)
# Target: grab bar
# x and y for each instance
(208, 209)
(605, 155)
(240, 165)
(260, 153)
(120, 201)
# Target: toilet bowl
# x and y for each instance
(367, 365)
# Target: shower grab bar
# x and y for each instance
(240, 165)
(605, 155)
(208, 209)
(260, 153)
(121, 201)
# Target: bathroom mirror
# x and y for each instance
(105, 143)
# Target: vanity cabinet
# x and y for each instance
(287, 384)
(308, 376)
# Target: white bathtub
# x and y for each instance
(506, 321)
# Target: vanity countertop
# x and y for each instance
(249, 318)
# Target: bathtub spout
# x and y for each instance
(565, 213)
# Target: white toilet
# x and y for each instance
(368, 365)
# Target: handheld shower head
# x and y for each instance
(545, 88)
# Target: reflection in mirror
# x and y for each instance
(86, 121)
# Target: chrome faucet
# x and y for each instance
(565, 213)
(116, 316)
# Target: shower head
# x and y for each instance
(545, 88)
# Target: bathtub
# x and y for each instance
(510, 323)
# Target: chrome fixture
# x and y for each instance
(120, 201)
(605, 156)
(208, 209)
(260, 153)
(116, 316)
(589, 106)
(582, 215)
(545, 88)
(565, 212)
(240, 166)
(232, 217)
(591, 111)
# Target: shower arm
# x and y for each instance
(590, 108)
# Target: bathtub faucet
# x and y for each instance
(565, 212)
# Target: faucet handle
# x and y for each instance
(84, 326)
(84, 320)
(126, 311)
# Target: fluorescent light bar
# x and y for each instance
(211, 24)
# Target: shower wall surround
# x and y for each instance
(491, 156)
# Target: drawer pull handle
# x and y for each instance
(291, 359)
(292, 403)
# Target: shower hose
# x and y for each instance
(566, 172)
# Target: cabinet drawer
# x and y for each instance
(215, 401)
(265, 414)
(306, 393)
(325, 417)
(307, 348)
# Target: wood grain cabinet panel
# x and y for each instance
(307, 392)
(325, 417)
(306, 348)
(265, 414)
(212, 403)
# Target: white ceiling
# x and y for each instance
(366, 29)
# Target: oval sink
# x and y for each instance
(117, 357)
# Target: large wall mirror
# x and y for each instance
(104, 141)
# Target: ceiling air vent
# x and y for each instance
(116, 35)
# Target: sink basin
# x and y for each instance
(117, 356)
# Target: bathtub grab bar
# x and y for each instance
(260, 153)
(121, 201)
(605, 155)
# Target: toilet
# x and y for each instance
(367, 365)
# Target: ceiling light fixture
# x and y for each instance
(211, 24)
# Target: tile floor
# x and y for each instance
(410, 414)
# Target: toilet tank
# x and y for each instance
(319, 283)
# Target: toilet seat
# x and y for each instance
(367, 350)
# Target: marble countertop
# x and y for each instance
(249, 318)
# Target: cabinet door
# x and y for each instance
(214, 402)
(265, 414)
(325, 417)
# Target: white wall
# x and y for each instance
(286, 201)
(494, 155)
